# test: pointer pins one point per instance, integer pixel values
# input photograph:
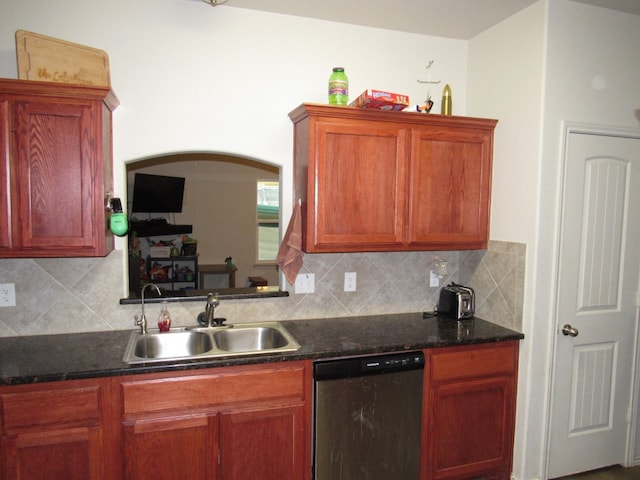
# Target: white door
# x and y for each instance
(596, 303)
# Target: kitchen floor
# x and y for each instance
(610, 473)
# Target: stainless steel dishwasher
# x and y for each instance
(367, 418)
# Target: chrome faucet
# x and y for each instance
(212, 302)
(208, 317)
(142, 321)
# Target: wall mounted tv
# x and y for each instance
(157, 194)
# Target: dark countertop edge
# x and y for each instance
(201, 295)
(501, 334)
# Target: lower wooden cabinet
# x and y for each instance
(232, 423)
(245, 422)
(236, 423)
(56, 431)
(469, 411)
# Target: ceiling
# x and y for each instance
(441, 18)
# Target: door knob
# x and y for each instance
(569, 331)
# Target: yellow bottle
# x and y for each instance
(446, 107)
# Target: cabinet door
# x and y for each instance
(471, 429)
(171, 448)
(450, 187)
(267, 443)
(360, 176)
(57, 178)
(470, 411)
(70, 454)
(54, 430)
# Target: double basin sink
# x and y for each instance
(209, 342)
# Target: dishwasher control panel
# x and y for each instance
(370, 365)
(403, 361)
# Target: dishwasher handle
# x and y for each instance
(369, 365)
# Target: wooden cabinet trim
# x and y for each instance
(51, 406)
(472, 361)
(308, 110)
(29, 89)
(164, 423)
(210, 389)
(5, 155)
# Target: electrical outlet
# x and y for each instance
(350, 281)
(7, 295)
(305, 283)
(434, 279)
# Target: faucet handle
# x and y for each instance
(219, 321)
(140, 322)
(213, 300)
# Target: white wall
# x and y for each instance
(602, 87)
(557, 60)
(506, 67)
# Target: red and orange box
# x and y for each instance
(380, 100)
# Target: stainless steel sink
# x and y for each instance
(176, 344)
(249, 339)
(202, 342)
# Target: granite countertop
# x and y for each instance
(34, 359)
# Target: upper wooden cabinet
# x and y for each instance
(55, 169)
(371, 180)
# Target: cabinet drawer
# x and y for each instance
(212, 389)
(473, 361)
(68, 406)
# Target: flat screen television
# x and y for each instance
(157, 194)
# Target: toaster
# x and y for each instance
(456, 302)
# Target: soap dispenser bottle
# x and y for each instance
(164, 319)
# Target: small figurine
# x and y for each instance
(428, 103)
(426, 108)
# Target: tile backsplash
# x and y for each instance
(65, 295)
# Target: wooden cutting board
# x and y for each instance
(50, 59)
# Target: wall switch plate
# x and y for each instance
(350, 281)
(7, 295)
(434, 279)
(305, 283)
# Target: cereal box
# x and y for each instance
(380, 100)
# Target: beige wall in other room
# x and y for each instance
(220, 203)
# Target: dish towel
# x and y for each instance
(289, 257)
